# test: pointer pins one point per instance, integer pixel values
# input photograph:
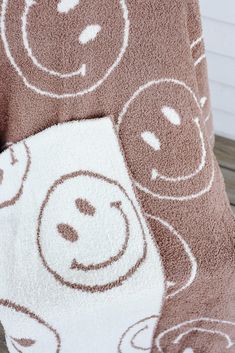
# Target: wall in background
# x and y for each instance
(218, 19)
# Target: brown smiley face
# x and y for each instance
(14, 168)
(92, 221)
(27, 332)
(85, 44)
(164, 141)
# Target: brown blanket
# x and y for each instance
(142, 63)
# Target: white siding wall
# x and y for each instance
(218, 19)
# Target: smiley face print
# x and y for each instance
(25, 331)
(204, 93)
(164, 141)
(91, 221)
(14, 165)
(75, 55)
(174, 250)
(198, 335)
(139, 336)
(200, 64)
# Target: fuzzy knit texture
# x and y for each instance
(116, 234)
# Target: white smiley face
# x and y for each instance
(164, 140)
(72, 57)
(25, 331)
(90, 221)
(14, 165)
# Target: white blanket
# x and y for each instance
(78, 263)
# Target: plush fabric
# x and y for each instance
(93, 253)
(116, 234)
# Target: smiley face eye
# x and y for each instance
(85, 207)
(64, 6)
(116, 204)
(151, 139)
(24, 342)
(171, 115)
(89, 34)
(203, 101)
(67, 232)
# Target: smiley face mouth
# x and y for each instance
(92, 267)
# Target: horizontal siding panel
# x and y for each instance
(221, 68)
(225, 152)
(219, 37)
(224, 124)
(219, 10)
(223, 97)
(230, 183)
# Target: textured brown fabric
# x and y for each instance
(157, 92)
(160, 36)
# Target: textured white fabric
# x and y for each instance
(68, 201)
